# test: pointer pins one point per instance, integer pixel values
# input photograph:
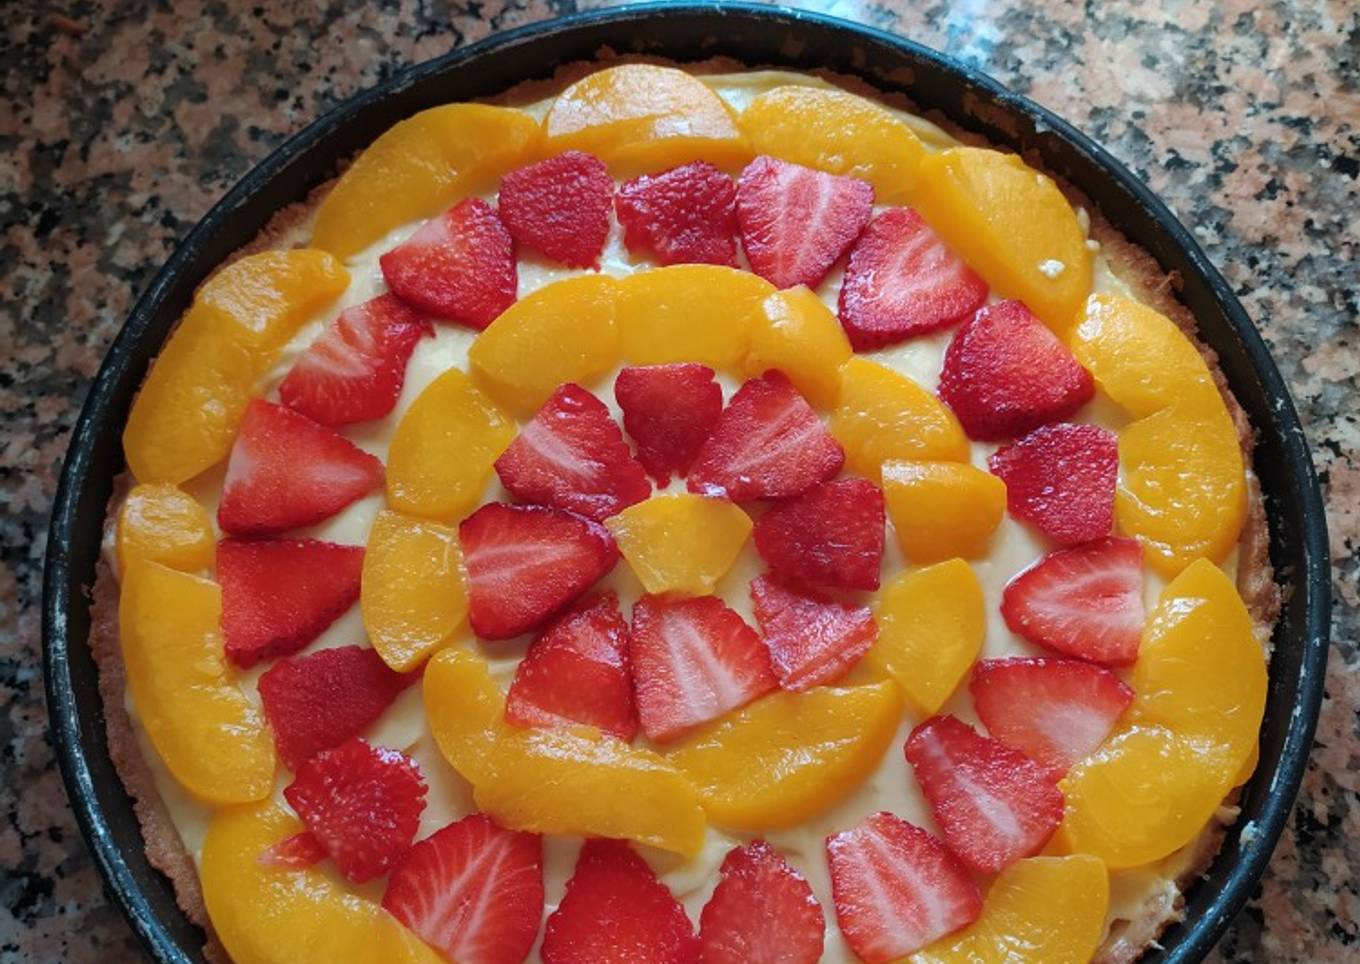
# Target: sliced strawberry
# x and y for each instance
(812, 640)
(322, 699)
(286, 472)
(693, 660)
(459, 266)
(1061, 479)
(578, 672)
(1086, 601)
(796, 222)
(901, 280)
(1005, 374)
(362, 803)
(1055, 711)
(992, 803)
(761, 912)
(687, 215)
(830, 536)
(896, 888)
(615, 911)
(670, 411)
(560, 207)
(767, 444)
(473, 891)
(572, 455)
(354, 369)
(279, 595)
(525, 563)
(299, 850)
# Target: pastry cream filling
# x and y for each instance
(891, 787)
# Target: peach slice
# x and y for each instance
(690, 313)
(1201, 684)
(1012, 225)
(573, 781)
(1043, 910)
(834, 131)
(212, 739)
(931, 623)
(164, 524)
(680, 542)
(883, 415)
(187, 411)
(563, 332)
(1143, 795)
(942, 509)
(1182, 489)
(413, 594)
(420, 166)
(579, 782)
(1137, 355)
(789, 756)
(796, 333)
(185, 416)
(1201, 672)
(641, 118)
(1182, 484)
(443, 449)
(465, 709)
(277, 915)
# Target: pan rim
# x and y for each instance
(64, 588)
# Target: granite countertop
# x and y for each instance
(125, 121)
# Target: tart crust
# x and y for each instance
(1130, 263)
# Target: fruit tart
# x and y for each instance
(685, 515)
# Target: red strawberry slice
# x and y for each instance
(572, 455)
(670, 411)
(992, 803)
(1061, 479)
(896, 888)
(286, 472)
(322, 699)
(761, 912)
(473, 890)
(459, 266)
(1055, 711)
(812, 640)
(560, 207)
(693, 660)
(578, 672)
(796, 222)
(615, 911)
(526, 562)
(767, 444)
(279, 595)
(687, 215)
(1086, 601)
(901, 281)
(362, 803)
(830, 536)
(354, 369)
(299, 850)
(1005, 374)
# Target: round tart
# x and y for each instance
(687, 516)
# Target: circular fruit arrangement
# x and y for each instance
(780, 501)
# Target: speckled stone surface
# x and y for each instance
(124, 121)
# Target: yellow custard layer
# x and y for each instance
(891, 787)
